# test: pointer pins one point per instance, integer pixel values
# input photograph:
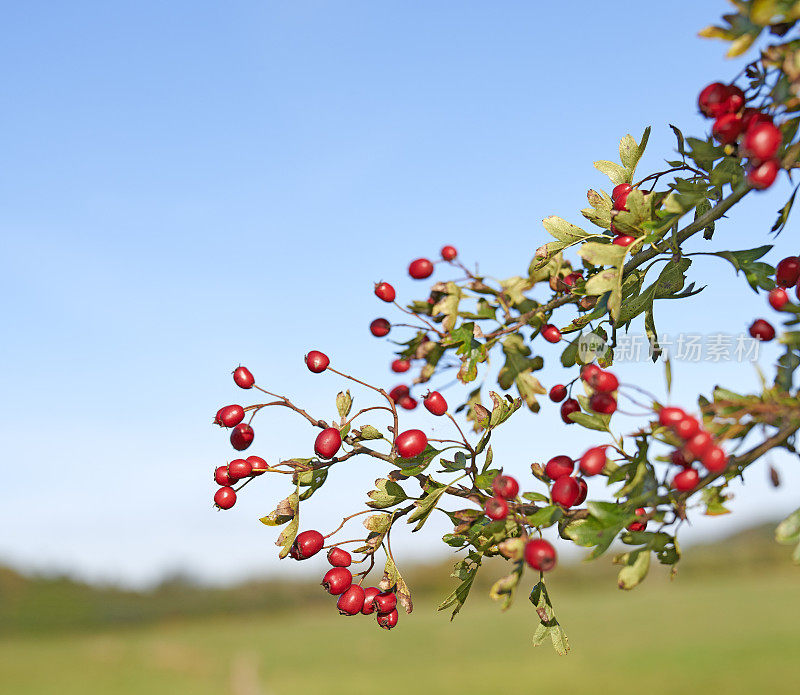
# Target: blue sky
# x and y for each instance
(187, 186)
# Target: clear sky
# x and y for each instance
(190, 185)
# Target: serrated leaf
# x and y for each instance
(615, 172)
(466, 570)
(564, 231)
(344, 401)
(388, 494)
(393, 578)
(425, 506)
(289, 533)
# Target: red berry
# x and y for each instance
(565, 491)
(399, 366)
(761, 141)
(420, 268)
(715, 460)
(778, 298)
(242, 436)
(588, 371)
(686, 427)
(763, 175)
(751, 116)
(449, 252)
(337, 580)
(619, 196)
(670, 416)
(317, 361)
(369, 600)
(558, 393)
(385, 602)
(572, 278)
(623, 240)
(306, 544)
(698, 445)
(551, 334)
(559, 466)
(787, 272)
(496, 508)
(411, 443)
(762, 330)
(569, 406)
(712, 100)
(339, 557)
(225, 497)
(380, 328)
(384, 291)
(328, 443)
(603, 403)
(257, 464)
(351, 601)
(594, 460)
(686, 480)
(239, 468)
(243, 378)
(388, 620)
(603, 381)
(221, 476)
(583, 490)
(435, 403)
(229, 416)
(505, 486)
(727, 128)
(638, 525)
(398, 392)
(540, 554)
(407, 402)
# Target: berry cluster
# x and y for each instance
(602, 386)
(787, 274)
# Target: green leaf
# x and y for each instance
(602, 254)
(388, 494)
(283, 513)
(425, 506)
(289, 533)
(344, 401)
(548, 625)
(788, 531)
(370, 432)
(592, 421)
(448, 305)
(313, 480)
(635, 570)
(518, 370)
(615, 172)
(546, 516)
(393, 579)
(759, 275)
(504, 588)
(783, 213)
(466, 570)
(564, 231)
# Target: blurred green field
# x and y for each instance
(721, 627)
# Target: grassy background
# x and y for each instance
(727, 624)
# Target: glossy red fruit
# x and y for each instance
(698, 445)
(686, 427)
(339, 557)
(225, 497)
(567, 407)
(778, 298)
(496, 508)
(388, 620)
(670, 416)
(619, 196)
(623, 240)
(385, 602)
(229, 416)
(317, 361)
(762, 330)
(763, 175)
(257, 465)
(221, 476)
(638, 525)
(751, 116)
(735, 99)
(727, 128)
(435, 403)
(239, 468)
(603, 403)
(558, 393)
(420, 268)
(380, 328)
(559, 466)
(449, 252)
(337, 580)
(407, 402)
(572, 278)
(540, 554)
(399, 366)
(505, 486)
(351, 601)
(583, 490)
(603, 381)
(588, 371)
(243, 378)
(761, 141)
(715, 460)
(593, 461)
(686, 480)
(384, 291)
(398, 392)
(307, 544)
(712, 100)
(551, 334)
(327, 443)
(242, 436)
(411, 443)
(369, 600)
(565, 491)
(787, 272)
